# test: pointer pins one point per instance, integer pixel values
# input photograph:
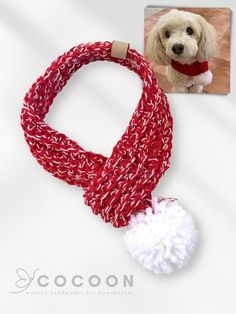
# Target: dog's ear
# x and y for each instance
(207, 44)
(155, 49)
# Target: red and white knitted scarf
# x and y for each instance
(120, 185)
(161, 236)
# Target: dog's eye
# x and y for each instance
(167, 34)
(189, 31)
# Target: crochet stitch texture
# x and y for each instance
(120, 185)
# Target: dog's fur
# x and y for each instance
(200, 46)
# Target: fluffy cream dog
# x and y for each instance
(185, 42)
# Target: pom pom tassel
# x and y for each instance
(162, 238)
(203, 78)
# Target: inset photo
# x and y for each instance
(189, 48)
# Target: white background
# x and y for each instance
(43, 221)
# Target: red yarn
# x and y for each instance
(193, 69)
(120, 185)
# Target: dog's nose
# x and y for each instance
(178, 48)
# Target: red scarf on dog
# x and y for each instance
(193, 69)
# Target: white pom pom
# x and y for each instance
(203, 78)
(163, 238)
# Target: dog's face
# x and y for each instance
(181, 36)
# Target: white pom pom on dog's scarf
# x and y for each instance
(203, 78)
(163, 238)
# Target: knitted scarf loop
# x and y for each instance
(118, 186)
